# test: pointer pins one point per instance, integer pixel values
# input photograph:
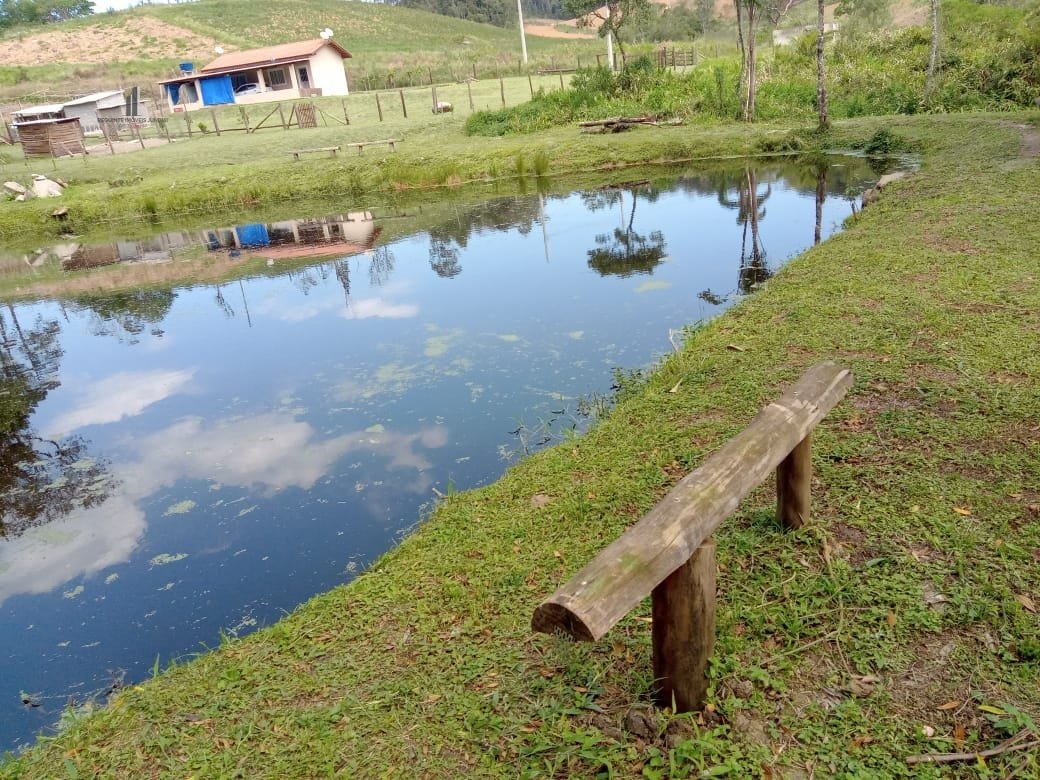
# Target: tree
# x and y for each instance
(747, 12)
(16, 12)
(933, 56)
(614, 16)
(821, 89)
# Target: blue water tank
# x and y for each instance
(187, 67)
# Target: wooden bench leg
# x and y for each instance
(392, 147)
(683, 631)
(296, 156)
(360, 148)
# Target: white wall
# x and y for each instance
(327, 73)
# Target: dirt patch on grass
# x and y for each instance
(137, 38)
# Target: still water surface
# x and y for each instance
(195, 462)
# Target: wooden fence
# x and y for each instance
(668, 554)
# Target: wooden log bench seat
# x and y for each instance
(330, 149)
(362, 144)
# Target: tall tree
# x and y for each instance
(614, 16)
(821, 89)
(747, 16)
(933, 57)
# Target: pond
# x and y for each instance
(186, 463)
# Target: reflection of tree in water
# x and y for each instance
(126, 315)
(499, 214)
(749, 203)
(40, 479)
(444, 258)
(625, 252)
(380, 266)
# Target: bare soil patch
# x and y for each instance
(138, 38)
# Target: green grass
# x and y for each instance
(906, 605)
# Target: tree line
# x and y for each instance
(25, 12)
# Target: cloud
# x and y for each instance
(122, 395)
(367, 308)
(45, 557)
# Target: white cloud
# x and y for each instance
(366, 308)
(119, 396)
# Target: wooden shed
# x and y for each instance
(51, 137)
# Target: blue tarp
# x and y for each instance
(253, 235)
(217, 90)
(174, 91)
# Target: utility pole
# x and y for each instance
(523, 35)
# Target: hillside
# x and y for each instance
(137, 45)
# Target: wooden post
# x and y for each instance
(213, 113)
(166, 129)
(451, 70)
(474, 71)
(187, 121)
(561, 80)
(530, 84)
(281, 115)
(137, 132)
(404, 108)
(108, 137)
(379, 107)
(793, 486)
(469, 89)
(245, 117)
(346, 118)
(683, 608)
(502, 89)
(430, 72)
(599, 60)
(433, 93)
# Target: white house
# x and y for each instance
(289, 70)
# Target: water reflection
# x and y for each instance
(42, 477)
(183, 461)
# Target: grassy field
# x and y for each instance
(901, 621)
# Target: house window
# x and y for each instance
(277, 79)
(304, 78)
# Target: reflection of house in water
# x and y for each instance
(155, 249)
(335, 236)
(342, 234)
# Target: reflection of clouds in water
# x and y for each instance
(272, 452)
(45, 557)
(299, 313)
(120, 395)
(367, 308)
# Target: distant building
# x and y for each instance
(101, 104)
(287, 71)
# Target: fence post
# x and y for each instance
(245, 117)
(213, 113)
(379, 108)
(137, 132)
(187, 122)
(793, 481)
(474, 71)
(404, 108)
(281, 115)
(530, 84)
(683, 631)
(561, 79)
(469, 90)
(502, 89)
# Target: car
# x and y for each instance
(248, 89)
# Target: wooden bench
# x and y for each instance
(362, 144)
(669, 555)
(330, 149)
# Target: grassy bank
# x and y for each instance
(902, 621)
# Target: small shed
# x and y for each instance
(89, 107)
(51, 137)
